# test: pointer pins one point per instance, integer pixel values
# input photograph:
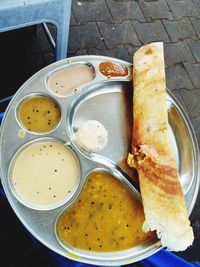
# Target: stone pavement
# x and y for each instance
(117, 28)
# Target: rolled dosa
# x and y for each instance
(162, 196)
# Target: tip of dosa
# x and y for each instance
(148, 48)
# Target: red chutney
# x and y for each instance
(110, 69)
(104, 218)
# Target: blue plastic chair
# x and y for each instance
(15, 14)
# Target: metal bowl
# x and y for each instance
(41, 155)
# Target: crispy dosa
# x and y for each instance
(162, 196)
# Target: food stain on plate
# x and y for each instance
(39, 114)
(44, 173)
(21, 133)
(105, 217)
(65, 81)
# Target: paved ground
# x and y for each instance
(118, 28)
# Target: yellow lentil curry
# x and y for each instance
(39, 114)
(105, 217)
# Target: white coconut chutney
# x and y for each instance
(92, 136)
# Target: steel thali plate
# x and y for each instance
(109, 101)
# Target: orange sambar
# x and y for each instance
(39, 114)
(105, 217)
